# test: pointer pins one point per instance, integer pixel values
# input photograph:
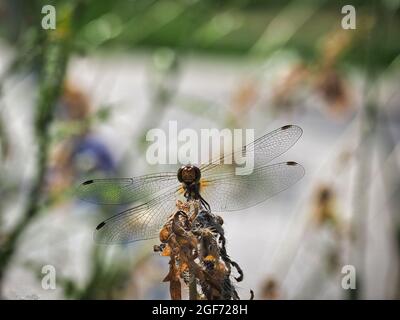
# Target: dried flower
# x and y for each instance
(323, 206)
(333, 89)
(194, 240)
(270, 289)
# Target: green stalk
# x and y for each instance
(52, 78)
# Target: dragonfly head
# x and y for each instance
(189, 174)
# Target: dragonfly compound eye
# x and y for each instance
(189, 174)
(180, 178)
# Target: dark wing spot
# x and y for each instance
(291, 163)
(286, 127)
(101, 225)
(87, 182)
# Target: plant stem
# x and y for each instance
(192, 286)
(55, 61)
(369, 117)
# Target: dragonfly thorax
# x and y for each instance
(189, 174)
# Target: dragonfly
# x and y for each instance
(215, 184)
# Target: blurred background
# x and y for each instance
(76, 103)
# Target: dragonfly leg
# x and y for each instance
(205, 204)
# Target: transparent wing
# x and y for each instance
(230, 192)
(139, 223)
(125, 190)
(264, 149)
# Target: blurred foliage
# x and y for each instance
(226, 27)
(52, 51)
